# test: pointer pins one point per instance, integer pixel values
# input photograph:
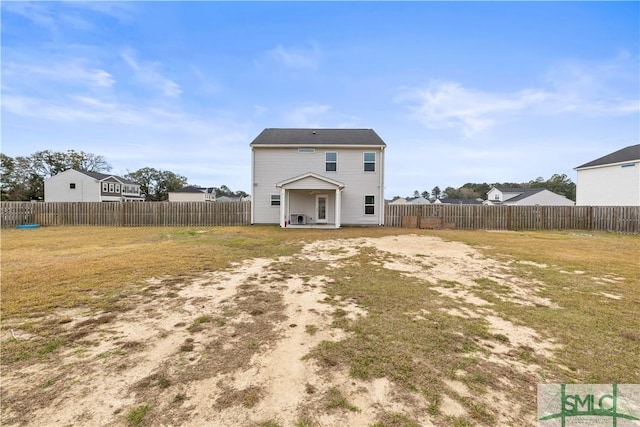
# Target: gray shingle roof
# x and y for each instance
(100, 176)
(450, 201)
(627, 154)
(189, 189)
(310, 137)
(523, 192)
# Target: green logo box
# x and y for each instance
(589, 405)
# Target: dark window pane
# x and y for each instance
(331, 167)
(369, 167)
(369, 210)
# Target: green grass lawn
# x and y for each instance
(597, 337)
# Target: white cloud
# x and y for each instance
(597, 88)
(84, 109)
(69, 14)
(147, 73)
(259, 109)
(206, 84)
(120, 10)
(38, 13)
(607, 88)
(59, 70)
(296, 57)
(444, 105)
(307, 116)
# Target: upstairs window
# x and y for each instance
(369, 162)
(72, 185)
(331, 162)
(105, 187)
(369, 205)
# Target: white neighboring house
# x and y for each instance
(81, 186)
(399, 201)
(451, 201)
(525, 197)
(611, 180)
(191, 193)
(331, 177)
(418, 201)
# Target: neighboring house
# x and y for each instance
(418, 201)
(611, 180)
(525, 197)
(450, 201)
(398, 201)
(81, 186)
(192, 193)
(317, 176)
(233, 199)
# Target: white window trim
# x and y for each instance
(273, 198)
(330, 161)
(369, 204)
(365, 162)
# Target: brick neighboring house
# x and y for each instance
(82, 186)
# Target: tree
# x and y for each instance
(452, 193)
(416, 194)
(436, 192)
(425, 194)
(156, 184)
(23, 177)
(558, 183)
(223, 190)
(48, 163)
(479, 190)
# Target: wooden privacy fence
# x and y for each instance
(126, 214)
(622, 219)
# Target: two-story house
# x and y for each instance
(611, 180)
(525, 197)
(81, 186)
(328, 177)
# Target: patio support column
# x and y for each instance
(284, 207)
(338, 207)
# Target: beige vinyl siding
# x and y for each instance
(186, 197)
(274, 165)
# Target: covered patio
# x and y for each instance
(310, 201)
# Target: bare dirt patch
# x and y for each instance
(231, 347)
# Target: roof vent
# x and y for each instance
(314, 132)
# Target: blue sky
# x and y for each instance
(460, 92)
